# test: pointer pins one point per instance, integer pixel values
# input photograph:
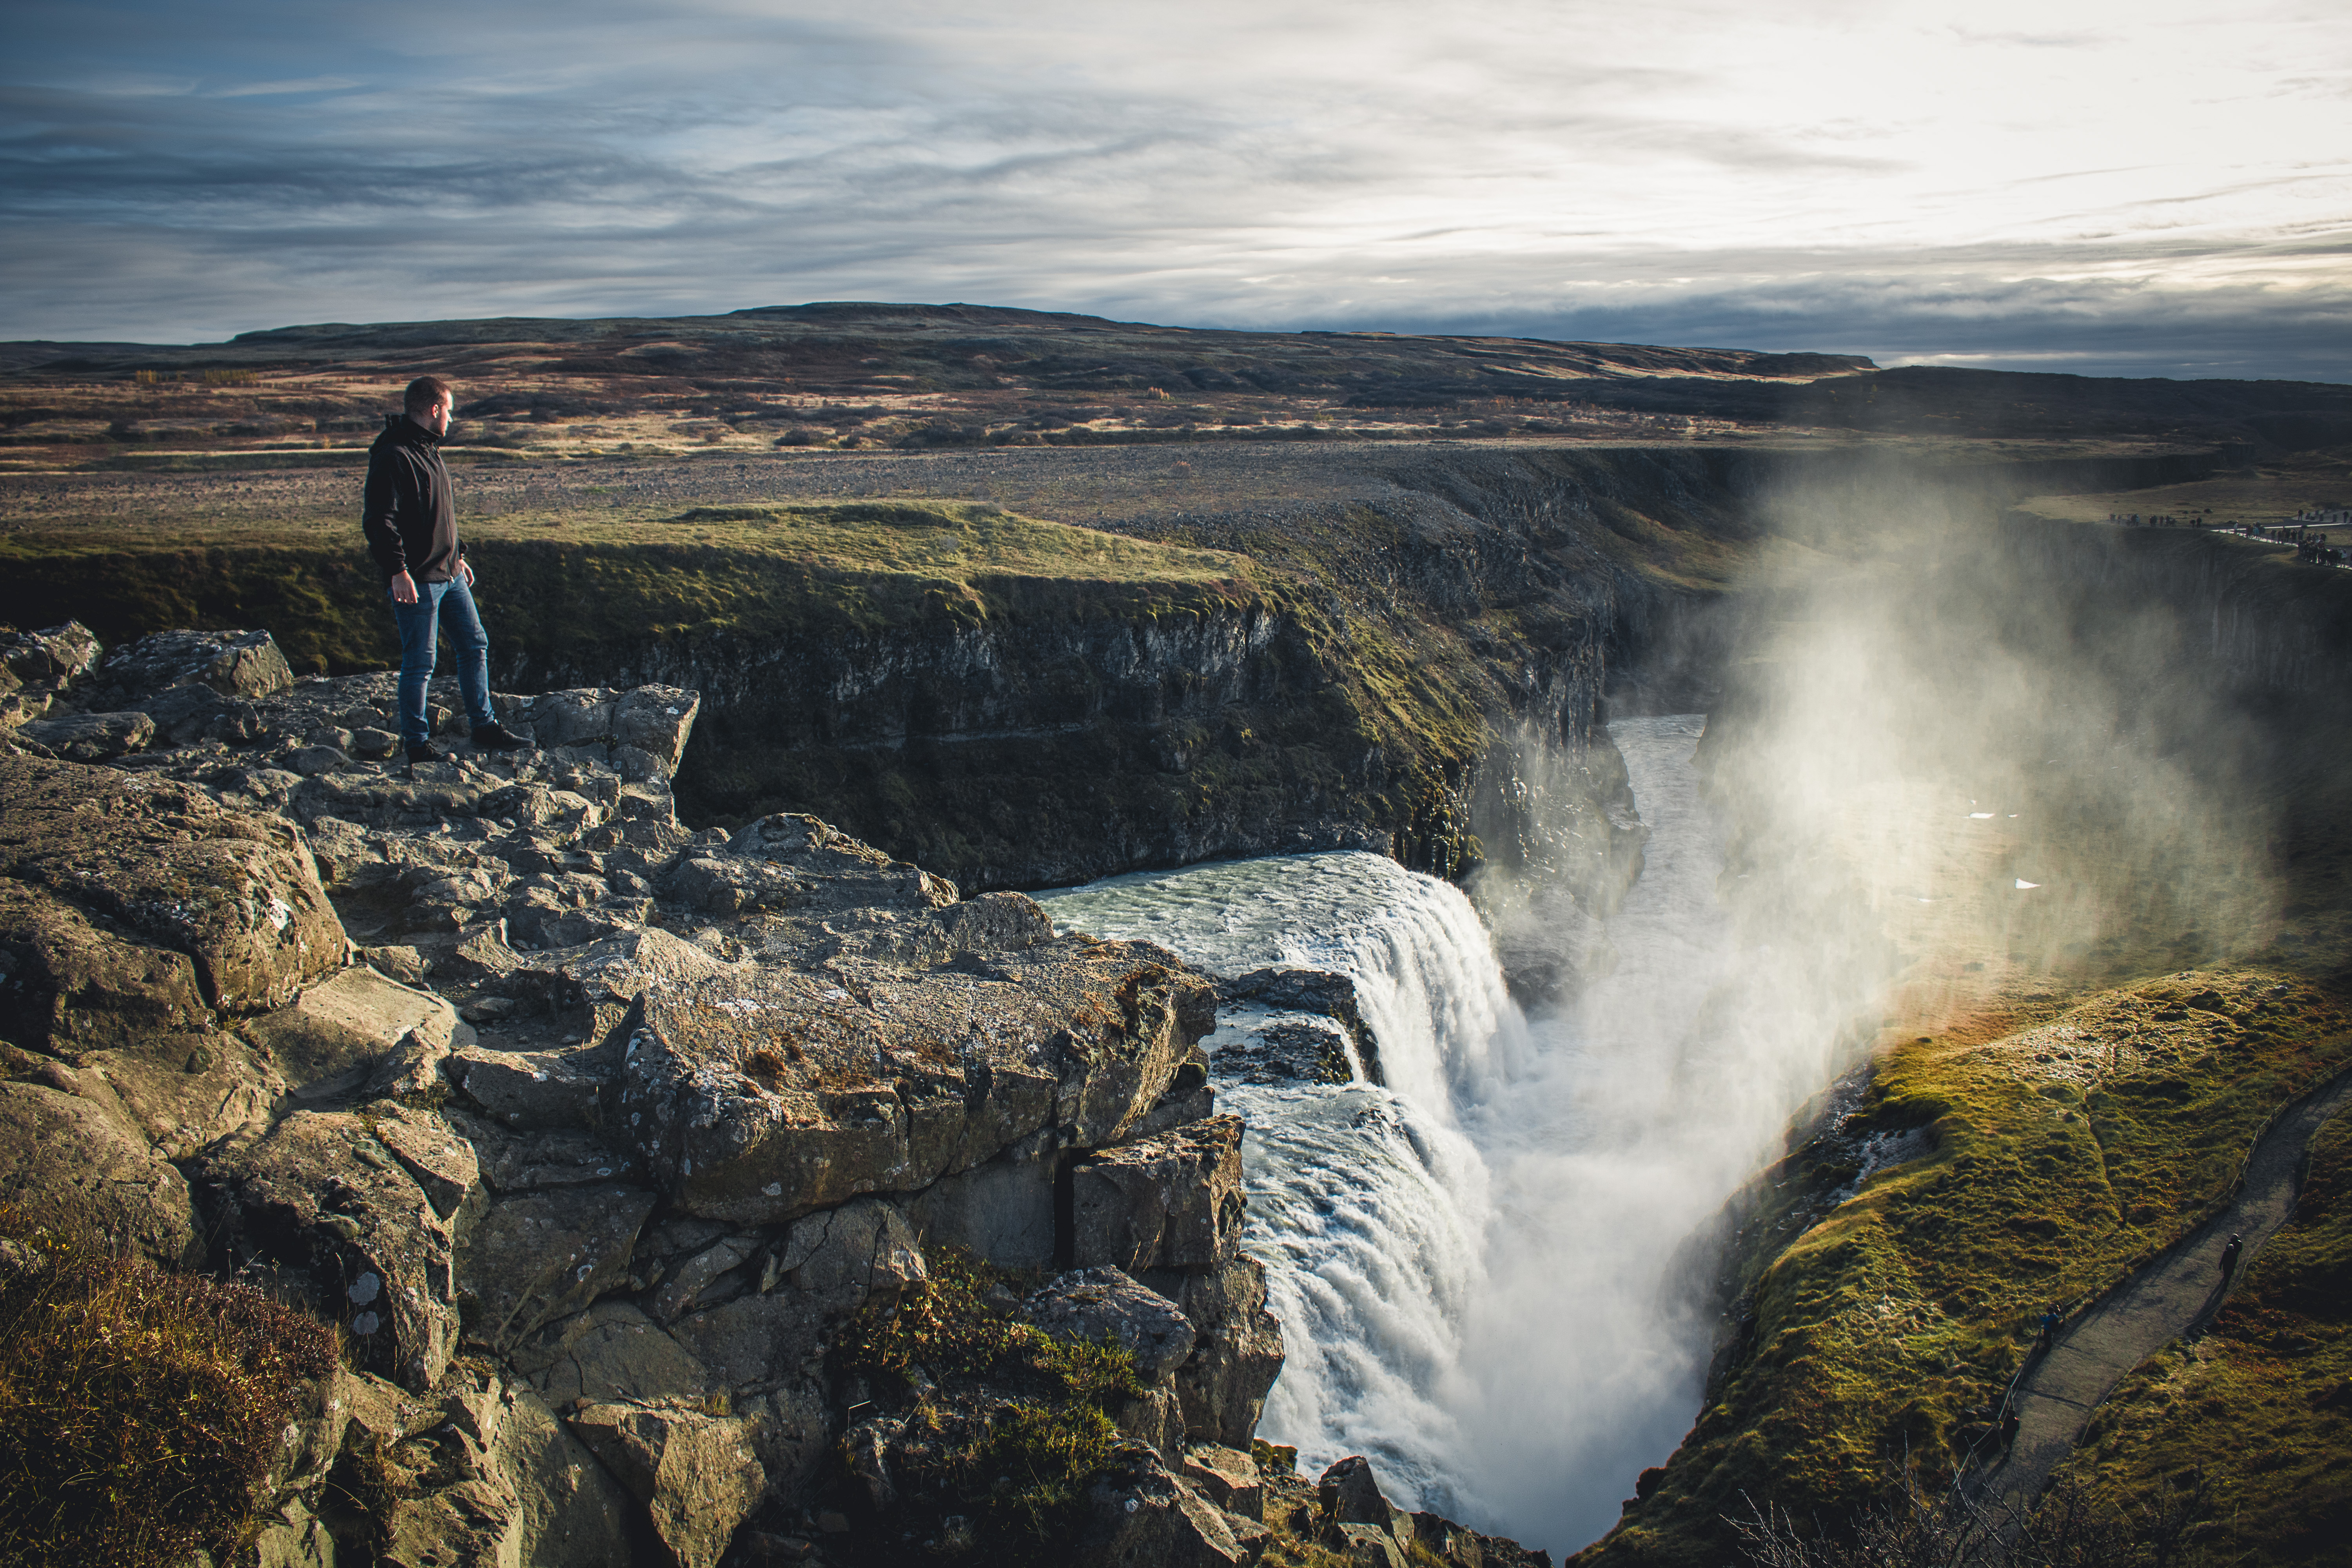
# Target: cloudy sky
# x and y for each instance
(2120, 188)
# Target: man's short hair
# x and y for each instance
(425, 392)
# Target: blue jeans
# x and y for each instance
(420, 624)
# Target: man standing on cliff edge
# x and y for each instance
(410, 517)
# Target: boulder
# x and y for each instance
(71, 981)
(182, 713)
(357, 1026)
(234, 892)
(235, 664)
(536, 919)
(728, 884)
(641, 733)
(311, 761)
(1170, 1202)
(537, 1256)
(69, 1163)
(607, 976)
(49, 658)
(573, 1514)
(994, 923)
(1364, 1525)
(1290, 1051)
(696, 1281)
(1364, 1546)
(838, 871)
(90, 737)
(291, 1536)
(656, 720)
(1333, 996)
(406, 964)
(695, 1472)
(1090, 1305)
(326, 1206)
(1226, 1476)
(514, 1161)
(471, 1522)
(438, 1158)
(1238, 1353)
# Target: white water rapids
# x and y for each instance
(1472, 1265)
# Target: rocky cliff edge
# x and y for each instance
(679, 1197)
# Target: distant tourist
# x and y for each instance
(410, 517)
(2230, 1257)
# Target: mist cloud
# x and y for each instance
(1858, 180)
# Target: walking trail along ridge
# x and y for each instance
(2174, 1295)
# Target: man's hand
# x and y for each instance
(403, 589)
(465, 569)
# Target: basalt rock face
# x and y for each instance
(1377, 689)
(1117, 742)
(592, 1133)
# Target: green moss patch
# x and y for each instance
(555, 587)
(2058, 1158)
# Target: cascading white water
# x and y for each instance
(1471, 1265)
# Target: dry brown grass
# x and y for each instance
(139, 1410)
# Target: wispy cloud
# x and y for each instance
(1836, 169)
(286, 88)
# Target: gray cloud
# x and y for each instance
(435, 161)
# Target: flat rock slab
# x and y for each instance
(90, 737)
(760, 1097)
(338, 1034)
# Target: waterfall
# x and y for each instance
(1471, 1265)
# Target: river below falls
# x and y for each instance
(1479, 1267)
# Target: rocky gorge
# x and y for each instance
(616, 1153)
(700, 1152)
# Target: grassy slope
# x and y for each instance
(569, 582)
(2275, 1375)
(2065, 1154)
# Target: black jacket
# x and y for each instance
(407, 513)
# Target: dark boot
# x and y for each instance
(494, 737)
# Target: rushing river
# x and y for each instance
(1474, 1265)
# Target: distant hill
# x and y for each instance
(987, 358)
